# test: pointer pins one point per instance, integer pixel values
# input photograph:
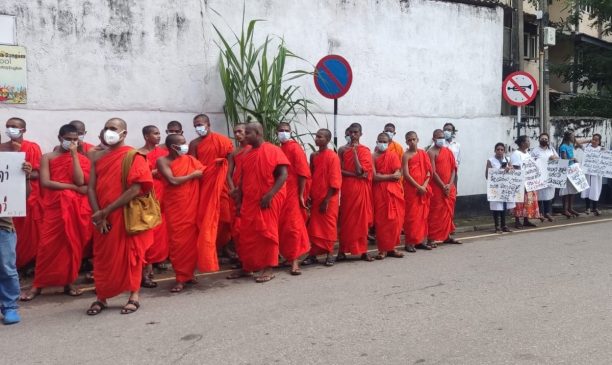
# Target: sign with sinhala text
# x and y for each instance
(13, 75)
(535, 178)
(12, 185)
(557, 173)
(597, 163)
(505, 186)
(576, 177)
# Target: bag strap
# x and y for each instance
(126, 164)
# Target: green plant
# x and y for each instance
(255, 82)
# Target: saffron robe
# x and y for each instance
(27, 228)
(119, 257)
(388, 197)
(293, 234)
(236, 177)
(397, 149)
(323, 227)
(356, 211)
(442, 207)
(214, 212)
(66, 227)
(259, 247)
(417, 205)
(181, 204)
(158, 252)
(86, 147)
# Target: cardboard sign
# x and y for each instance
(557, 173)
(597, 163)
(12, 185)
(576, 177)
(535, 179)
(505, 186)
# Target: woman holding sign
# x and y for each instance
(528, 209)
(566, 152)
(544, 153)
(499, 161)
(591, 195)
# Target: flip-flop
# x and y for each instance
(125, 310)
(296, 272)
(148, 283)
(397, 255)
(73, 292)
(366, 257)
(177, 288)
(380, 256)
(238, 275)
(264, 278)
(330, 261)
(92, 312)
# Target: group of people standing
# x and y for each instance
(265, 199)
(538, 204)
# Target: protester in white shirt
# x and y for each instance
(591, 195)
(546, 195)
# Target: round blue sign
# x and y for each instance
(333, 76)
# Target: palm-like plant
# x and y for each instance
(253, 79)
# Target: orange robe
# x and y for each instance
(86, 147)
(442, 207)
(66, 227)
(27, 228)
(293, 234)
(356, 211)
(119, 257)
(323, 227)
(417, 205)
(181, 211)
(389, 203)
(259, 248)
(397, 149)
(236, 176)
(158, 252)
(214, 214)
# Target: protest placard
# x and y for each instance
(534, 178)
(505, 186)
(592, 162)
(605, 164)
(557, 173)
(12, 185)
(576, 177)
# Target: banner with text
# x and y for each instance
(12, 185)
(597, 163)
(505, 186)
(576, 177)
(557, 173)
(535, 178)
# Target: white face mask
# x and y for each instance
(390, 134)
(81, 137)
(440, 142)
(201, 130)
(183, 149)
(348, 139)
(448, 135)
(66, 145)
(111, 137)
(382, 147)
(284, 136)
(13, 133)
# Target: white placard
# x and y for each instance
(505, 186)
(606, 164)
(557, 173)
(534, 178)
(576, 177)
(591, 164)
(12, 185)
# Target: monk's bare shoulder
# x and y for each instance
(51, 155)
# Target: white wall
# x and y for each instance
(416, 63)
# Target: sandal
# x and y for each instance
(96, 308)
(453, 241)
(330, 261)
(177, 288)
(33, 293)
(395, 254)
(380, 256)
(148, 283)
(409, 248)
(73, 292)
(126, 310)
(596, 212)
(264, 278)
(366, 257)
(296, 271)
(423, 246)
(310, 260)
(506, 229)
(341, 257)
(238, 275)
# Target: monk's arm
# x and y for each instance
(406, 171)
(164, 169)
(132, 192)
(432, 158)
(230, 172)
(78, 178)
(27, 168)
(45, 180)
(280, 176)
(301, 189)
(91, 190)
(358, 168)
(193, 148)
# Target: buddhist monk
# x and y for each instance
(158, 252)
(444, 192)
(173, 127)
(27, 227)
(66, 227)
(292, 224)
(118, 257)
(326, 183)
(388, 198)
(212, 150)
(416, 169)
(234, 170)
(260, 199)
(84, 147)
(394, 146)
(356, 214)
(181, 173)
(347, 139)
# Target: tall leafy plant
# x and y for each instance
(255, 81)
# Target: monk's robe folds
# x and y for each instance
(158, 252)
(236, 176)
(388, 203)
(417, 205)
(442, 207)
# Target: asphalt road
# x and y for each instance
(538, 297)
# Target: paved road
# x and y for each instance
(531, 298)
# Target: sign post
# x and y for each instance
(333, 77)
(519, 89)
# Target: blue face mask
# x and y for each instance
(201, 130)
(448, 135)
(382, 147)
(66, 144)
(284, 136)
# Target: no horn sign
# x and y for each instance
(519, 88)
(333, 76)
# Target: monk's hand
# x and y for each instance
(81, 189)
(421, 190)
(397, 175)
(74, 147)
(197, 174)
(324, 205)
(447, 189)
(266, 200)
(364, 175)
(27, 168)
(99, 221)
(303, 203)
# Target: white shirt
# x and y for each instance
(455, 148)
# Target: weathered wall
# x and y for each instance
(417, 63)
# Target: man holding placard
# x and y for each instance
(9, 279)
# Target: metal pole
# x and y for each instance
(519, 123)
(336, 123)
(545, 73)
(541, 66)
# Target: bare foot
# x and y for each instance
(31, 294)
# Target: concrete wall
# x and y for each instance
(417, 63)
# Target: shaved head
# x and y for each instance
(326, 133)
(174, 139)
(78, 124)
(117, 122)
(20, 123)
(255, 126)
